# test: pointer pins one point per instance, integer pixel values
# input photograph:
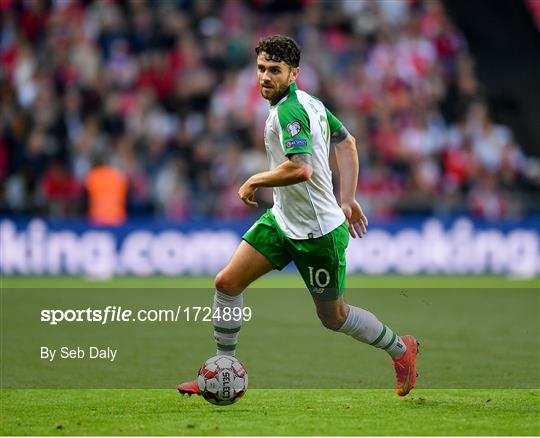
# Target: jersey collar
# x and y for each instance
(292, 88)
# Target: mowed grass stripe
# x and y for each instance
(271, 412)
(290, 279)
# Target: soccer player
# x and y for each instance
(306, 225)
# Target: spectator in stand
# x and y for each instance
(60, 190)
(486, 200)
(107, 195)
(491, 142)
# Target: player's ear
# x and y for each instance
(295, 71)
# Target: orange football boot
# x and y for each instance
(189, 388)
(405, 366)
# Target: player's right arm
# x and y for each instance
(347, 161)
(295, 137)
(293, 171)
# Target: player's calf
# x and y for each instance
(332, 322)
(365, 327)
(332, 314)
(227, 323)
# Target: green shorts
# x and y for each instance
(320, 261)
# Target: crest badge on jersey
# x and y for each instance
(294, 128)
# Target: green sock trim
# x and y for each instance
(226, 330)
(376, 341)
(223, 347)
(391, 342)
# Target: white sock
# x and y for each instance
(365, 327)
(226, 328)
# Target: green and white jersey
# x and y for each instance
(300, 123)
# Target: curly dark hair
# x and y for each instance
(280, 48)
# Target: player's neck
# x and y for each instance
(281, 96)
(290, 88)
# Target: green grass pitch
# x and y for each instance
(339, 411)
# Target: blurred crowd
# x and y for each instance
(155, 104)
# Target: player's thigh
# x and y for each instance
(322, 264)
(261, 251)
(246, 265)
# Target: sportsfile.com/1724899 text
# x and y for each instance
(111, 314)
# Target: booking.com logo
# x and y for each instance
(460, 249)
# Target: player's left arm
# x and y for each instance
(293, 171)
(347, 161)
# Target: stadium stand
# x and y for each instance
(166, 93)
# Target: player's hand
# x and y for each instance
(246, 193)
(358, 221)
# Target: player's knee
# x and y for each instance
(227, 284)
(223, 282)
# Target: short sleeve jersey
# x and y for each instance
(298, 124)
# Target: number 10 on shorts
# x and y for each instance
(318, 277)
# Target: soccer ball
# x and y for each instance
(222, 380)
